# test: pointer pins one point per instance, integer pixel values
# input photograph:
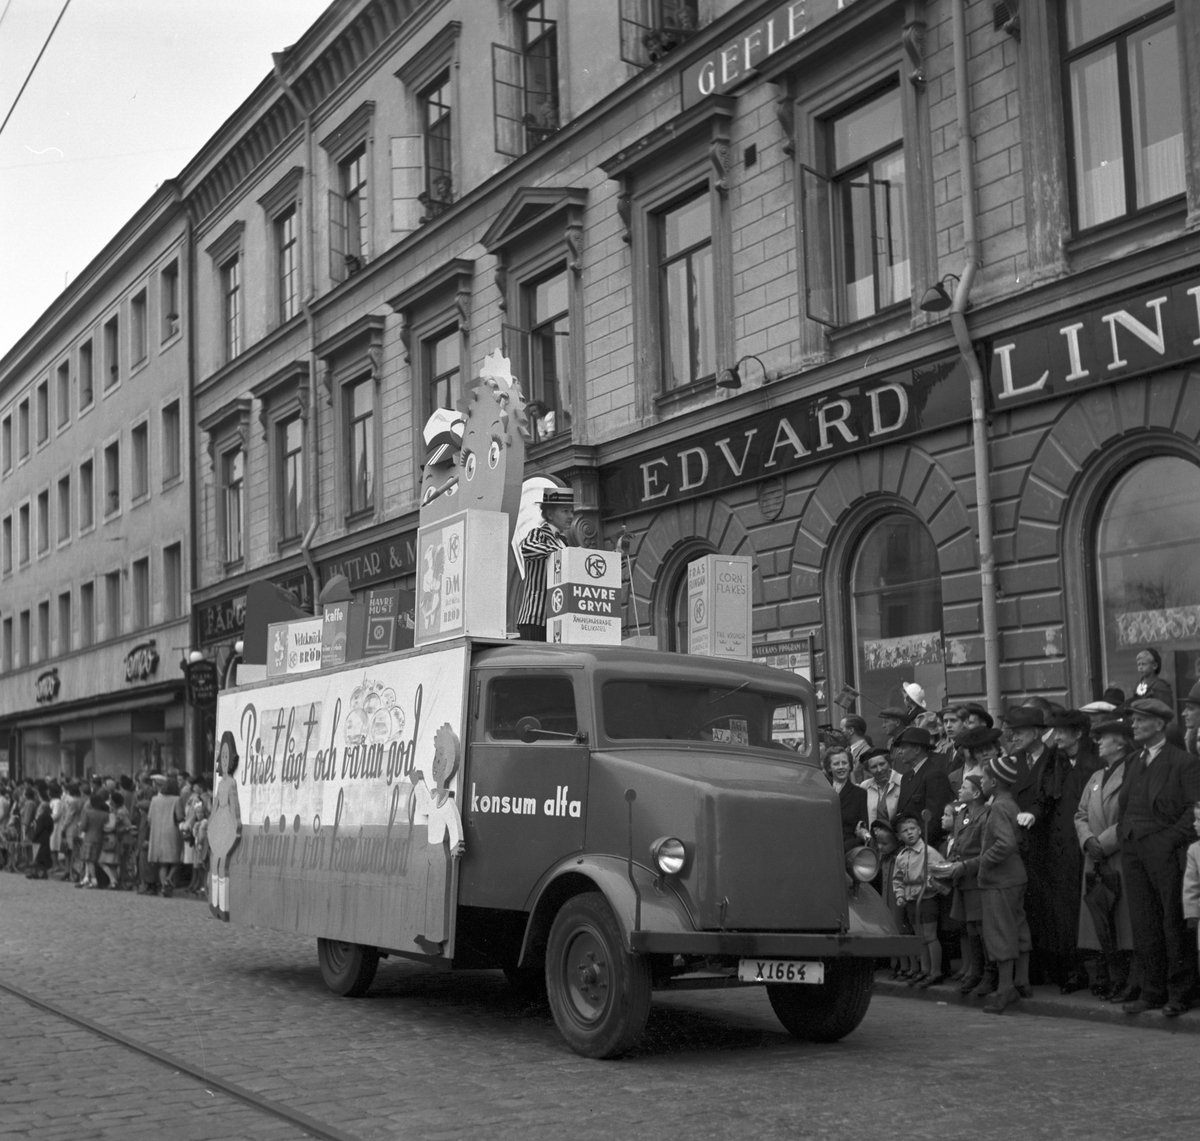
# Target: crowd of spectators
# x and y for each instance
(147, 834)
(1056, 848)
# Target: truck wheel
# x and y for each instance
(828, 1012)
(599, 993)
(347, 968)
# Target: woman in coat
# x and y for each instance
(1096, 828)
(852, 797)
(166, 842)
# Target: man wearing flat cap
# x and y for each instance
(1161, 786)
(923, 783)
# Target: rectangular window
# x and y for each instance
(232, 481)
(687, 310)
(172, 462)
(652, 28)
(8, 644)
(23, 430)
(112, 356)
(231, 307)
(349, 233)
(25, 634)
(43, 614)
(64, 508)
(86, 392)
(64, 622)
(291, 478)
(288, 264)
(525, 82)
(6, 545)
(6, 451)
(62, 393)
(137, 328)
(112, 478)
(43, 412)
(360, 450)
(173, 581)
(443, 367)
(549, 327)
(439, 175)
(87, 496)
(87, 613)
(113, 618)
(139, 439)
(43, 522)
(141, 594)
(1126, 107)
(168, 300)
(23, 534)
(856, 250)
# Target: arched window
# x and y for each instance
(671, 608)
(896, 617)
(1148, 572)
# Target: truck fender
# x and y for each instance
(661, 907)
(869, 914)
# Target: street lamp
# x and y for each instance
(937, 298)
(732, 378)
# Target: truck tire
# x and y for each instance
(599, 993)
(347, 968)
(828, 1012)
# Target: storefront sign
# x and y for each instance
(202, 683)
(739, 58)
(1134, 334)
(47, 686)
(385, 560)
(583, 588)
(811, 430)
(225, 618)
(141, 662)
(720, 621)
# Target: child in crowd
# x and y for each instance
(967, 905)
(883, 840)
(91, 827)
(916, 890)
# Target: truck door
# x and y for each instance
(524, 802)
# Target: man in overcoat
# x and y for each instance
(1161, 786)
(923, 783)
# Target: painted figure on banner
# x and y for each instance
(224, 827)
(435, 805)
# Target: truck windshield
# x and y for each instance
(690, 711)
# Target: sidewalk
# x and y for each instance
(1081, 1006)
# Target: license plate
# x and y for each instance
(780, 971)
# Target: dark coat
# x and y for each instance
(999, 863)
(1053, 857)
(1174, 787)
(39, 837)
(853, 800)
(928, 788)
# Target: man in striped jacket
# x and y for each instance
(535, 548)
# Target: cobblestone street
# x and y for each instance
(450, 1056)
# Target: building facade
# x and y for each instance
(720, 241)
(95, 521)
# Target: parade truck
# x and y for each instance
(599, 822)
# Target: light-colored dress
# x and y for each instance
(166, 844)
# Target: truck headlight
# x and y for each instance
(862, 864)
(668, 855)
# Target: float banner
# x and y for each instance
(583, 589)
(348, 795)
(811, 430)
(294, 647)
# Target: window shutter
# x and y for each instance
(636, 23)
(508, 88)
(407, 171)
(816, 207)
(337, 237)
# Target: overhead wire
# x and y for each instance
(66, 5)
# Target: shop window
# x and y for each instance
(64, 508)
(652, 28)
(856, 224)
(360, 446)
(138, 333)
(1125, 97)
(525, 81)
(87, 613)
(62, 393)
(687, 310)
(233, 474)
(113, 617)
(141, 594)
(1147, 545)
(86, 391)
(290, 498)
(173, 581)
(87, 496)
(64, 622)
(896, 617)
(168, 301)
